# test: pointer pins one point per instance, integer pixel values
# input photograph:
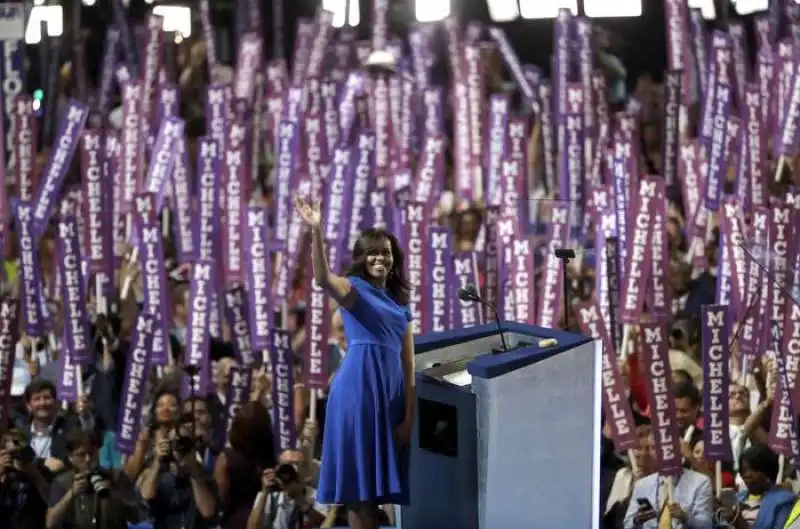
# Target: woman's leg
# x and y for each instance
(362, 516)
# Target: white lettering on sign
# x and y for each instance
(415, 245)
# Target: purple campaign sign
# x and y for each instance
(236, 301)
(30, 273)
(69, 132)
(638, 266)
(154, 277)
(438, 281)
(338, 205)
(197, 333)
(714, 335)
(134, 389)
(259, 277)
(73, 296)
(655, 361)
(282, 364)
(162, 157)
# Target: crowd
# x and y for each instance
(247, 455)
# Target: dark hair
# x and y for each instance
(251, 434)
(78, 438)
(687, 390)
(372, 240)
(760, 458)
(157, 396)
(37, 386)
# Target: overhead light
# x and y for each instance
(431, 10)
(343, 12)
(706, 7)
(503, 10)
(38, 2)
(536, 9)
(176, 18)
(748, 7)
(53, 18)
(89, 3)
(617, 8)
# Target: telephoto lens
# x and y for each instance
(99, 484)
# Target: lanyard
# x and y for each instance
(658, 488)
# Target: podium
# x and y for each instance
(506, 440)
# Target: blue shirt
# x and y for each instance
(692, 491)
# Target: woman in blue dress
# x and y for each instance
(371, 401)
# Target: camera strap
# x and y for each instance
(272, 510)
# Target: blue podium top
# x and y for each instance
(495, 365)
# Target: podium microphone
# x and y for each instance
(470, 293)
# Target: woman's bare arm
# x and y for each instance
(221, 478)
(338, 287)
(409, 372)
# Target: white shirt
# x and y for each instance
(42, 442)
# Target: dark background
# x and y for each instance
(639, 42)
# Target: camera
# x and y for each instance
(23, 455)
(99, 483)
(183, 445)
(284, 474)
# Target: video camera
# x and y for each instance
(20, 451)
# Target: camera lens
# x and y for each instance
(99, 485)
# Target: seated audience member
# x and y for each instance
(23, 483)
(644, 464)
(285, 502)
(692, 502)
(47, 426)
(687, 408)
(700, 464)
(763, 505)
(239, 467)
(178, 492)
(86, 496)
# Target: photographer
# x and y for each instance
(85, 496)
(284, 502)
(23, 485)
(175, 486)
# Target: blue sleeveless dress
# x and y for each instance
(366, 404)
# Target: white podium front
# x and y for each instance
(506, 440)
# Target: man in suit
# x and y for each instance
(691, 505)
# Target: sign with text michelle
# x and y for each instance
(618, 412)
(73, 296)
(638, 264)
(69, 132)
(282, 364)
(654, 337)
(134, 388)
(259, 276)
(197, 333)
(715, 332)
(9, 333)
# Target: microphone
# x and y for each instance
(470, 293)
(565, 255)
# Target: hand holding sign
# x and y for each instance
(310, 213)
